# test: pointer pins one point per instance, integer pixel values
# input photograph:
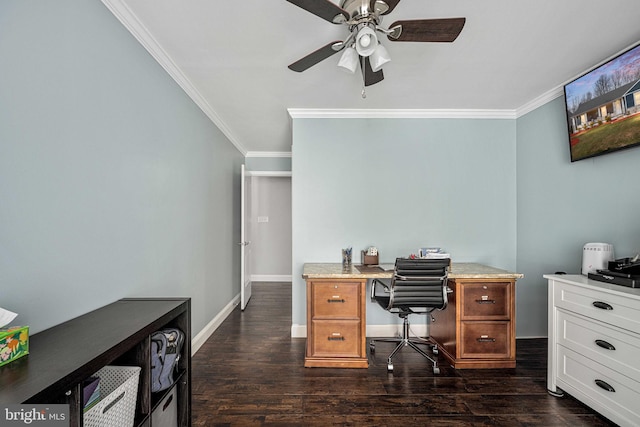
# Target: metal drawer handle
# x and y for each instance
(602, 305)
(335, 338)
(486, 301)
(605, 386)
(605, 345)
(485, 339)
(336, 300)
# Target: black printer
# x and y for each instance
(624, 271)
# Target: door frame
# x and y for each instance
(245, 235)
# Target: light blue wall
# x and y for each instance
(279, 164)
(503, 193)
(401, 184)
(563, 205)
(112, 182)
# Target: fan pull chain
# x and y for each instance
(364, 73)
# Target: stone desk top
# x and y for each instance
(459, 270)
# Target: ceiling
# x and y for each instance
(231, 57)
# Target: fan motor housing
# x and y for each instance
(362, 8)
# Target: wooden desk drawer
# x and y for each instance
(335, 299)
(486, 301)
(486, 340)
(336, 338)
(617, 348)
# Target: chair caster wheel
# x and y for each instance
(372, 348)
(390, 367)
(436, 370)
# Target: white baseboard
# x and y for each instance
(300, 331)
(211, 327)
(419, 330)
(271, 278)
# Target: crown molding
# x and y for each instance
(268, 154)
(124, 14)
(505, 114)
(128, 19)
(559, 91)
(304, 113)
(540, 101)
(277, 174)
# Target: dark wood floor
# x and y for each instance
(250, 373)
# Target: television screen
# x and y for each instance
(603, 107)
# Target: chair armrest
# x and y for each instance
(375, 282)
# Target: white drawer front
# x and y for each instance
(577, 375)
(613, 347)
(623, 312)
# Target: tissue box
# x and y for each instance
(14, 343)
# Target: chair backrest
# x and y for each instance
(419, 283)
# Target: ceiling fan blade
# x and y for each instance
(324, 9)
(314, 57)
(428, 30)
(371, 77)
(390, 5)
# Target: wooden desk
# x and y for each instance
(476, 330)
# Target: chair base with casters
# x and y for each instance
(418, 286)
(406, 341)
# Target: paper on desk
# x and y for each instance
(6, 317)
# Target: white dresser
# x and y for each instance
(594, 345)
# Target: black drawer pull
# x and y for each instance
(485, 339)
(336, 300)
(605, 386)
(605, 345)
(335, 338)
(486, 301)
(602, 305)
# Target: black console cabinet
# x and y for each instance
(61, 357)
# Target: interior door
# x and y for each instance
(245, 234)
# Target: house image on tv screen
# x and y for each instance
(621, 101)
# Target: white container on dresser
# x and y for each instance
(594, 345)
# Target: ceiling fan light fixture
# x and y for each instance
(366, 41)
(379, 57)
(349, 60)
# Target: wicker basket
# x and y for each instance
(119, 391)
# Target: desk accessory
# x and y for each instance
(432, 253)
(346, 257)
(370, 256)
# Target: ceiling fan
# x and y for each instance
(363, 19)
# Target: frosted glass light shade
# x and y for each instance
(366, 41)
(379, 57)
(349, 60)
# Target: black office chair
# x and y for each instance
(418, 286)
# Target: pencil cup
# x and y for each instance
(346, 257)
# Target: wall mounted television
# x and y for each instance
(603, 107)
